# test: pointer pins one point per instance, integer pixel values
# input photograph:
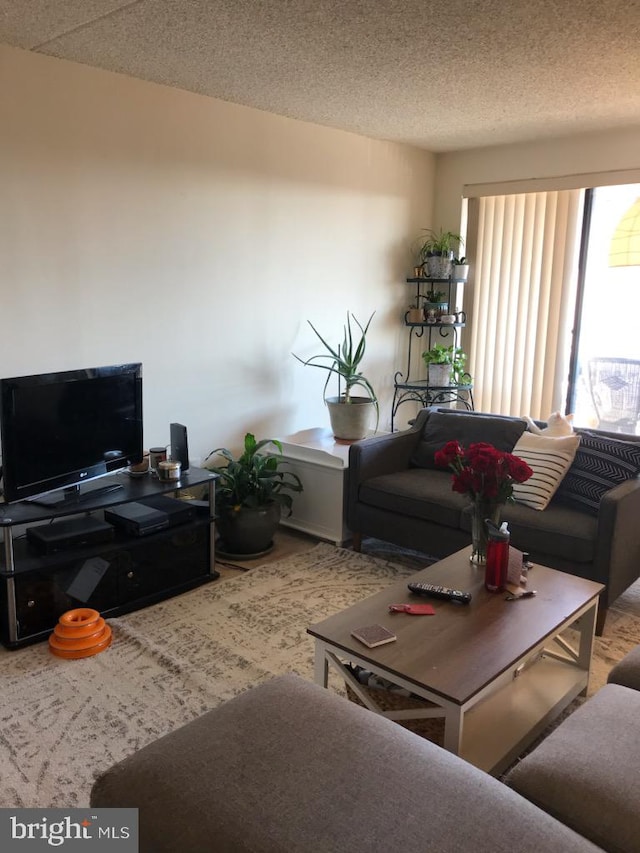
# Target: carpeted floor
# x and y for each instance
(61, 722)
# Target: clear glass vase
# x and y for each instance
(481, 509)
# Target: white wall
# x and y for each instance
(143, 223)
(583, 155)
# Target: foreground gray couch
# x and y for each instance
(289, 767)
(395, 493)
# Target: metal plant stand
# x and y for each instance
(409, 389)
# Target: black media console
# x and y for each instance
(112, 575)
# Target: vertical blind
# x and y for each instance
(525, 248)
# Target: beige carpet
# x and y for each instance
(61, 722)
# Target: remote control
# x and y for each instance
(440, 592)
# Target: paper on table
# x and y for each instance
(514, 569)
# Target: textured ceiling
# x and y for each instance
(440, 74)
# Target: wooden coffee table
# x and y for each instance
(497, 671)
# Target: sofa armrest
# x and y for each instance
(382, 455)
(373, 457)
(617, 560)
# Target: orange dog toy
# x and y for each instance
(80, 633)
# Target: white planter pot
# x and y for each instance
(439, 375)
(350, 421)
(461, 271)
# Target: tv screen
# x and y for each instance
(62, 429)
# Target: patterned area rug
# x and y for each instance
(62, 722)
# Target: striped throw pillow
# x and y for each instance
(601, 463)
(550, 459)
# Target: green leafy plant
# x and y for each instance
(452, 355)
(460, 261)
(344, 360)
(254, 478)
(438, 354)
(436, 296)
(459, 375)
(439, 243)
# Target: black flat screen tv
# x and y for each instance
(59, 430)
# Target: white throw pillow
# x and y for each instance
(550, 459)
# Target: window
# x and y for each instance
(523, 294)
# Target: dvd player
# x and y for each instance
(71, 533)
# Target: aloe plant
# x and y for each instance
(344, 361)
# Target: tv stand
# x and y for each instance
(113, 577)
(72, 496)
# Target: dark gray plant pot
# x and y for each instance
(350, 421)
(248, 531)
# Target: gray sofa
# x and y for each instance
(396, 493)
(289, 767)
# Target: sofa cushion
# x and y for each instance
(585, 773)
(417, 493)
(627, 671)
(289, 767)
(600, 464)
(441, 427)
(549, 457)
(560, 531)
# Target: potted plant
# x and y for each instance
(350, 415)
(437, 252)
(436, 297)
(460, 268)
(436, 302)
(251, 493)
(445, 365)
(415, 314)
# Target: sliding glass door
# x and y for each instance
(604, 372)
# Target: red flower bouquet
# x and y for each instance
(481, 471)
(487, 475)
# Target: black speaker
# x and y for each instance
(179, 447)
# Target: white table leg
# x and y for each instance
(587, 627)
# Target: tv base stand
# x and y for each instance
(114, 577)
(73, 498)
